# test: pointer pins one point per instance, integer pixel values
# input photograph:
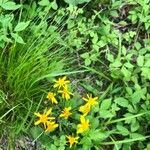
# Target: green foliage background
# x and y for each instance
(104, 48)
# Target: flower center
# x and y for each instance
(44, 118)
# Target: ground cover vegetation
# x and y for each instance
(74, 74)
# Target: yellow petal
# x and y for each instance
(37, 114)
(37, 122)
(49, 111)
(85, 99)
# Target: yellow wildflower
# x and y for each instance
(85, 109)
(83, 126)
(44, 118)
(90, 100)
(72, 140)
(65, 93)
(61, 82)
(51, 97)
(51, 126)
(66, 113)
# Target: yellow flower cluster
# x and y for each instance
(90, 101)
(49, 121)
(62, 85)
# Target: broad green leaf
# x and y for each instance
(137, 45)
(95, 123)
(123, 50)
(114, 13)
(105, 114)
(136, 135)
(85, 55)
(76, 2)
(134, 126)
(53, 147)
(122, 130)
(138, 95)
(54, 5)
(61, 148)
(21, 26)
(110, 57)
(122, 101)
(10, 6)
(128, 65)
(140, 61)
(116, 63)
(97, 135)
(106, 103)
(44, 2)
(147, 63)
(126, 73)
(146, 72)
(94, 57)
(87, 61)
(86, 141)
(101, 44)
(17, 38)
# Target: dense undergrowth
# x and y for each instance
(103, 48)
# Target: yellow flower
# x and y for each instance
(44, 118)
(51, 97)
(90, 100)
(66, 113)
(51, 126)
(61, 82)
(85, 109)
(83, 126)
(72, 140)
(65, 93)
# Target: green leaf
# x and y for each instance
(10, 6)
(17, 38)
(136, 135)
(97, 135)
(138, 95)
(53, 147)
(93, 57)
(128, 65)
(86, 141)
(116, 63)
(140, 61)
(135, 126)
(95, 123)
(87, 61)
(114, 13)
(105, 104)
(44, 2)
(54, 5)
(122, 101)
(146, 72)
(85, 55)
(126, 72)
(101, 44)
(147, 63)
(105, 114)
(21, 26)
(110, 57)
(124, 131)
(124, 51)
(76, 2)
